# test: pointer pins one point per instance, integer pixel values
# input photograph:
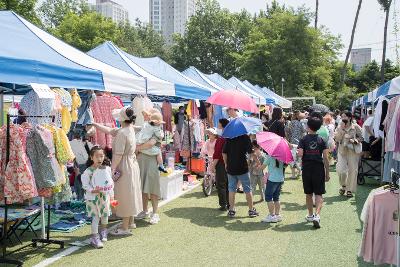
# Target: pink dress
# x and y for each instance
(17, 181)
(102, 107)
(167, 116)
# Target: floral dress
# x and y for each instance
(17, 181)
(98, 205)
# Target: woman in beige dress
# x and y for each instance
(349, 136)
(127, 189)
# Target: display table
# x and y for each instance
(171, 185)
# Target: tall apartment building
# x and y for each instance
(171, 16)
(111, 9)
(360, 57)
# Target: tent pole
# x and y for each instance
(2, 108)
(146, 84)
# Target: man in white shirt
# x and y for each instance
(367, 132)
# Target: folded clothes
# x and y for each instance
(66, 226)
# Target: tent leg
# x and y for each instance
(2, 109)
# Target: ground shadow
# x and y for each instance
(333, 199)
(287, 206)
(208, 217)
(296, 227)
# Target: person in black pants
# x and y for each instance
(218, 167)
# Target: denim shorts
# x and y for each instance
(244, 179)
(273, 191)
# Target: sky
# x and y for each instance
(336, 15)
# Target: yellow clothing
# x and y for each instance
(189, 109)
(66, 119)
(76, 103)
(66, 145)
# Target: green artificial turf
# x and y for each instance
(192, 232)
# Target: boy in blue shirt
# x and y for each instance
(314, 153)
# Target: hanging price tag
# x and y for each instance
(42, 90)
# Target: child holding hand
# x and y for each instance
(98, 185)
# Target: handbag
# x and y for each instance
(357, 148)
(116, 175)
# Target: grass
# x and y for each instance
(192, 232)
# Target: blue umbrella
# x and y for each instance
(241, 126)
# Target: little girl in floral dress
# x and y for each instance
(98, 185)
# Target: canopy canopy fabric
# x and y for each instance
(258, 98)
(268, 98)
(390, 88)
(114, 56)
(31, 55)
(162, 79)
(281, 101)
(196, 75)
(221, 81)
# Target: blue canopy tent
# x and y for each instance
(221, 81)
(258, 98)
(281, 101)
(31, 55)
(196, 75)
(390, 88)
(162, 79)
(268, 98)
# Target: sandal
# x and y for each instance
(342, 191)
(349, 194)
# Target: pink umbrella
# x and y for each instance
(233, 99)
(276, 146)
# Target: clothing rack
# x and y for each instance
(395, 181)
(45, 239)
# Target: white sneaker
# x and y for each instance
(310, 218)
(154, 219)
(142, 215)
(278, 218)
(269, 219)
(317, 221)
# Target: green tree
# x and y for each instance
(212, 38)
(282, 44)
(385, 4)
(24, 8)
(87, 31)
(141, 40)
(52, 12)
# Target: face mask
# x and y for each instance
(219, 132)
(345, 121)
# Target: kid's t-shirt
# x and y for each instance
(275, 173)
(313, 146)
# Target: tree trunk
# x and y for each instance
(384, 43)
(351, 42)
(316, 14)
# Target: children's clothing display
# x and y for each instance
(102, 108)
(167, 115)
(139, 104)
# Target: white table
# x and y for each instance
(171, 185)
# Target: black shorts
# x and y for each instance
(314, 178)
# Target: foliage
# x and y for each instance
(368, 78)
(212, 38)
(52, 12)
(87, 31)
(24, 8)
(141, 40)
(283, 45)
